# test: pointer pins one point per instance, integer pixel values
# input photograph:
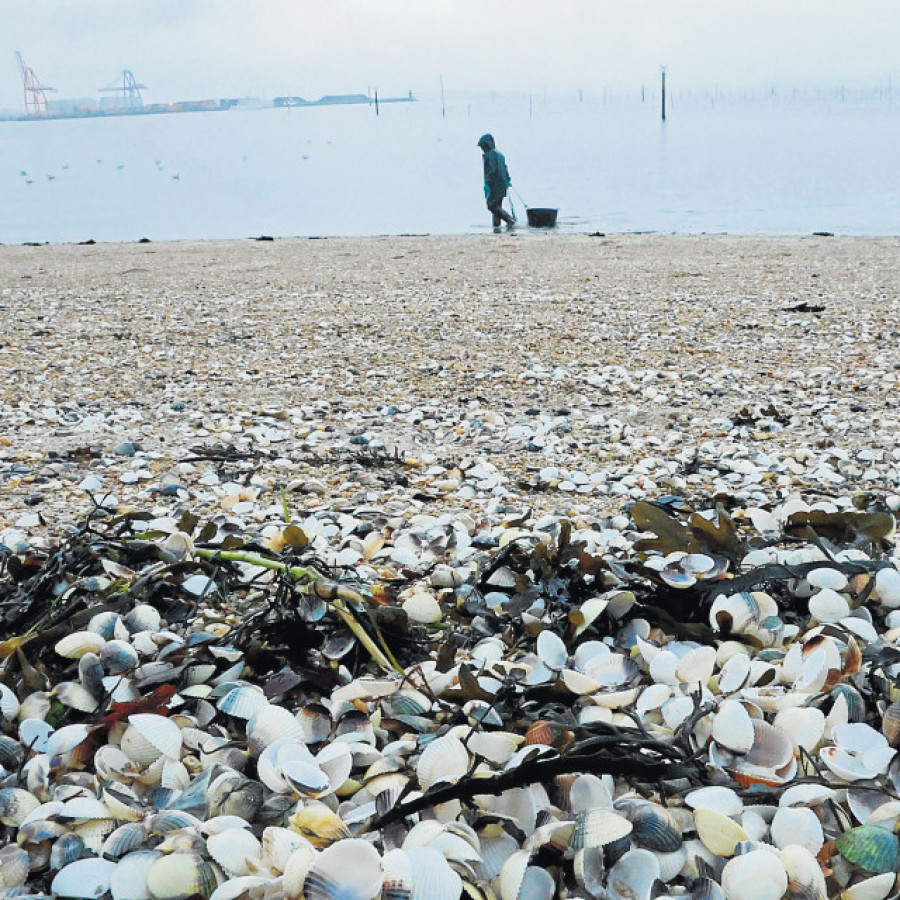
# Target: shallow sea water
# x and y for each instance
(741, 166)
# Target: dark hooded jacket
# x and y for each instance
(496, 175)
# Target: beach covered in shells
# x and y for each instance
(414, 568)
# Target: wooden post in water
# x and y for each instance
(443, 107)
(376, 102)
(663, 69)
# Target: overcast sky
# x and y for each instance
(193, 49)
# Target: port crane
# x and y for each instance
(129, 88)
(35, 91)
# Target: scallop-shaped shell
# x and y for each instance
(696, 666)
(239, 699)
(277, 846)
(242, 887)
(805, 877)
(720, 799)
(887, 587)
(349, 870)
(444, 759)
(66, 849)
(306, 778)
(270, 723)
(142, 617)
(495, 746)
(15, 805)
(756, 875)
(76, 696)
(588, 792)
(828, 606)
(733, 727)
(159, 732)
(519, 881)
(772, 748)
(9, 703)
(598, 828)
(719, 834)
(654, 827)
(318, 824)
(125, 839)
(236, 850)
(735, 613)
(734, 673)
(826, 577)
(552, 651)
(179, 876)
(398, 875)
(633, 875)
(804, 725)
(75, 645)
(875, 888)
(128, 880)
(890, 724)
(119, 657)
(423, 607)
(66, 738)
(13, 866)
(797, 825)
(870, 847)
(432, 876)
(84, 879)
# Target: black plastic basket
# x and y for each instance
(542, 218)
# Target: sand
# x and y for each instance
(533, 352)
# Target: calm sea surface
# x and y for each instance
(771, 166)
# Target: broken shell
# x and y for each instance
(870, 847)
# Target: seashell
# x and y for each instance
(277, 846)
(670, 864)
(432, 876)
(15, 805)
(444, 759)
(804, 725)
(236, 850)
(84, 878)
(828, 606)
(9, 703)
(125, 839)
(233, 794)
(756, 875)
(704, 888)
(65, 739)
(734, 673)
(150, 736)
(797, 825)
(128, 880)
(495, 746)
(806, 795)
(75, 645)
(733, 727)
(239, 699)
(579, 683)
(805, 877)
(696, 666)
(870, 847)
(633, 876)
(588, 792)
(142, 617)
(349, 870)
(423, 608)
(519, 881)
(599, 828)
(295, 870)
(826, 577)
(654, 827)
(772, 748)
(735, 613)
(398, 875)
(66, 849)
(243, 886)
(76, 696)
(119, 657)
(551, 650)
(890, 724)
(887, 587)
(719, 799)
(14, 866)
(318, 824)
(270, 723)
(875, 888)
(306, 778)
(179, 876)
(718, 833)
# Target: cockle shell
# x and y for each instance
(757, 875)
(84, 879)
(733, 727)
(720, 835)
(444, 759)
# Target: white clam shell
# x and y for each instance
(696, 667)
(875, 888)
(433, 878)
(828, 606)
(734, 673)
(84, 879)
(423, 608)
(75, 645)
(159, 731)
(757, 875)
(722, 799)
(797, 825)
(887, 586)
(444, 759)
(805, 725)
(632, 877)
(236, 850)
(733, 727)
(552, 651)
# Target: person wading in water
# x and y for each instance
(496, 181)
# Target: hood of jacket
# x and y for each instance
(486, 142)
